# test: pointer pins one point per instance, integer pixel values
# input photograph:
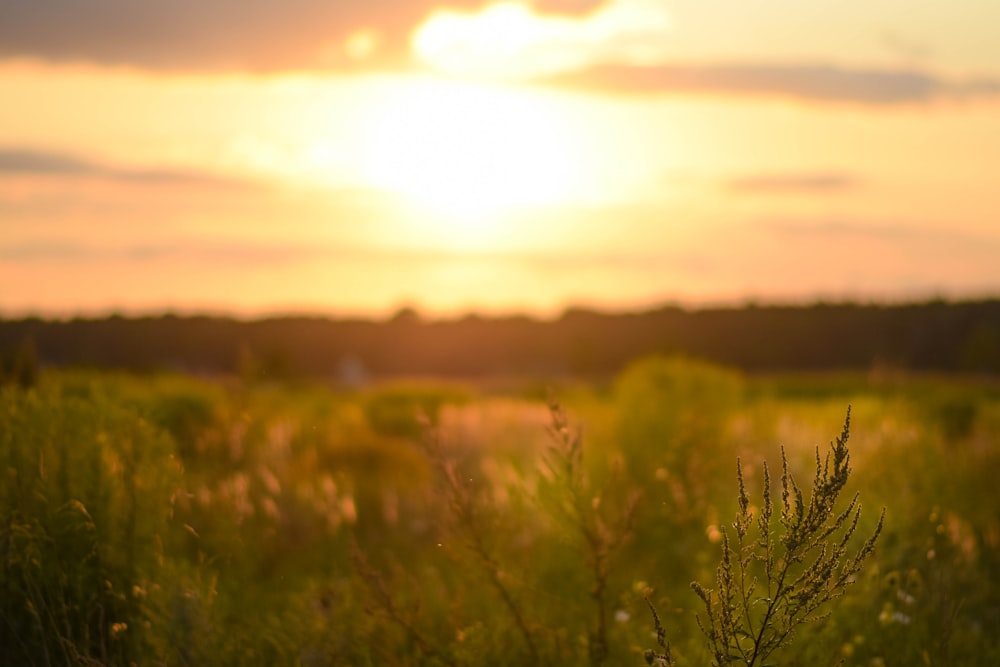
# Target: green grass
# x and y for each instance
(170, 520)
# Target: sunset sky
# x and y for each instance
(350, 158)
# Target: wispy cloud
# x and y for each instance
(819, 83)
(15, 161)
(35, 162)
(925, 241)
(240, 253)
(791, 183)
(940, 240)
(265, 35)
(184, 250)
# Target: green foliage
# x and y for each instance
(185, 413)
(398, 410)
(529, 576)
(174, 521)
(85, 505)
(956, 414)
(672, 415)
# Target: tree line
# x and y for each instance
(927, 336)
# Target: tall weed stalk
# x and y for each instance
(578, 505)
(466, 514)
(769, 585)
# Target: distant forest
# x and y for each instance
(931, 336)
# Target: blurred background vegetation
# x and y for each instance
(265, 517)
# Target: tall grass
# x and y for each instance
(167, 520)
(86, 505)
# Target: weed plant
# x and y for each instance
(769, 585)
(601, 533)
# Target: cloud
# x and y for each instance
(31, 162)
(511, 39)
(819, 83)
(259, 35)
(210, 252)
(23, 161)
(804, 182)
(235, 252)
(926, 240)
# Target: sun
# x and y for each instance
(469, 152)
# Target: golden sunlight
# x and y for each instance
(511, 40)
(469, 151)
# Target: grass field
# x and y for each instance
(168, 520)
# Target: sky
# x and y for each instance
(306, 156)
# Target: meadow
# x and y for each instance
(163, 519)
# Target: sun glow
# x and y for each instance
(512, 40)
(469, 152)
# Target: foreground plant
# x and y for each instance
(601, 533)
(768, 586)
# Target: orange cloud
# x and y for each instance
(817, 83)
(198, 35)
